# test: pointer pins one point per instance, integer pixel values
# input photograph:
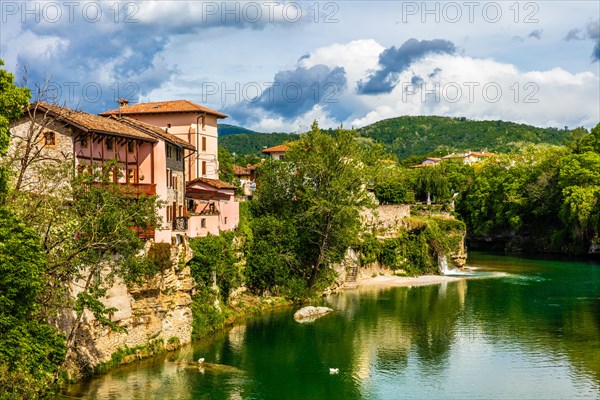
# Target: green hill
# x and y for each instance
(226, 130)
(414, 136)
(243, 144)
(408, 136)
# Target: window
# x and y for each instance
(203, 144)
(178, 154)
(203, 168)
(130, 146)
(203, 223)
(168, 213)
(169, 178)
(181, 211)
(169, 151)
(109, 144)
(49, 139)
(225, 220)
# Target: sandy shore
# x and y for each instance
(394, 281)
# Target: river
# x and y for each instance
(519, 328)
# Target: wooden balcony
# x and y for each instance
(149, 189)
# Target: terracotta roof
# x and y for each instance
(216, 183)
(239, 170)
(154, 131)
(172, 106)
(276, 149)
(92, 123)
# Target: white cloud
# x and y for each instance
(452, 85)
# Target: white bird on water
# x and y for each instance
(333, 371)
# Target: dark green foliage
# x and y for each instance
(410, 136)
(416, 249)
(228, 130)
(226, 167)
(369, 249)
(316, 194)
(271, 260)
(255, 143)
(396, 188)
(540, 199)
(159, 258)
(13, 101)
(214, 262)
(30, 350)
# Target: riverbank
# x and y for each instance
(382, 281)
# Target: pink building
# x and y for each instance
(151, 160)
(210, 206)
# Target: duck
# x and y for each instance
(333, 371)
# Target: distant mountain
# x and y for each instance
(410, 136)
(227, 130)
(414, 136)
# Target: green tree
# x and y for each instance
(320, 189)
(431, 181)
(226, 166)
(30, 349)
(13, 101)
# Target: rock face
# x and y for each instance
(156, 314)
(310, 313)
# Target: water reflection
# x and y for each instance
(531, 332)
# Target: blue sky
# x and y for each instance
(276, 66)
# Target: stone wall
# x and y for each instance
(154, 312)
(385, 217)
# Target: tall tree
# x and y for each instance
(321, 187)
(30, 349)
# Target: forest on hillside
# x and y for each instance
(416, 136)
(406, 136)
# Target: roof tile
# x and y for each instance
(91, 123)
(172, 106)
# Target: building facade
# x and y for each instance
(147, 158)
(210, 204)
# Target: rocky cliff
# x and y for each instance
(152, 316)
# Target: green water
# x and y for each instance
(519, 329)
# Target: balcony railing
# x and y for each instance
(149, 189)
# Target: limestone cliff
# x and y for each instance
(155, 315)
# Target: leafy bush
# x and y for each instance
(159, 256)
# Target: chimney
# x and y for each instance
(123, 102)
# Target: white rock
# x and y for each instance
(310, 313)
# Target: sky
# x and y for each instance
(279, 65)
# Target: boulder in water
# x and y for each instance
(310, 313)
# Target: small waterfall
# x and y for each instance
(443, 264)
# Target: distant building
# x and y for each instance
(247, 177)
(276, 152)
(428, 162)
(470, 157)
